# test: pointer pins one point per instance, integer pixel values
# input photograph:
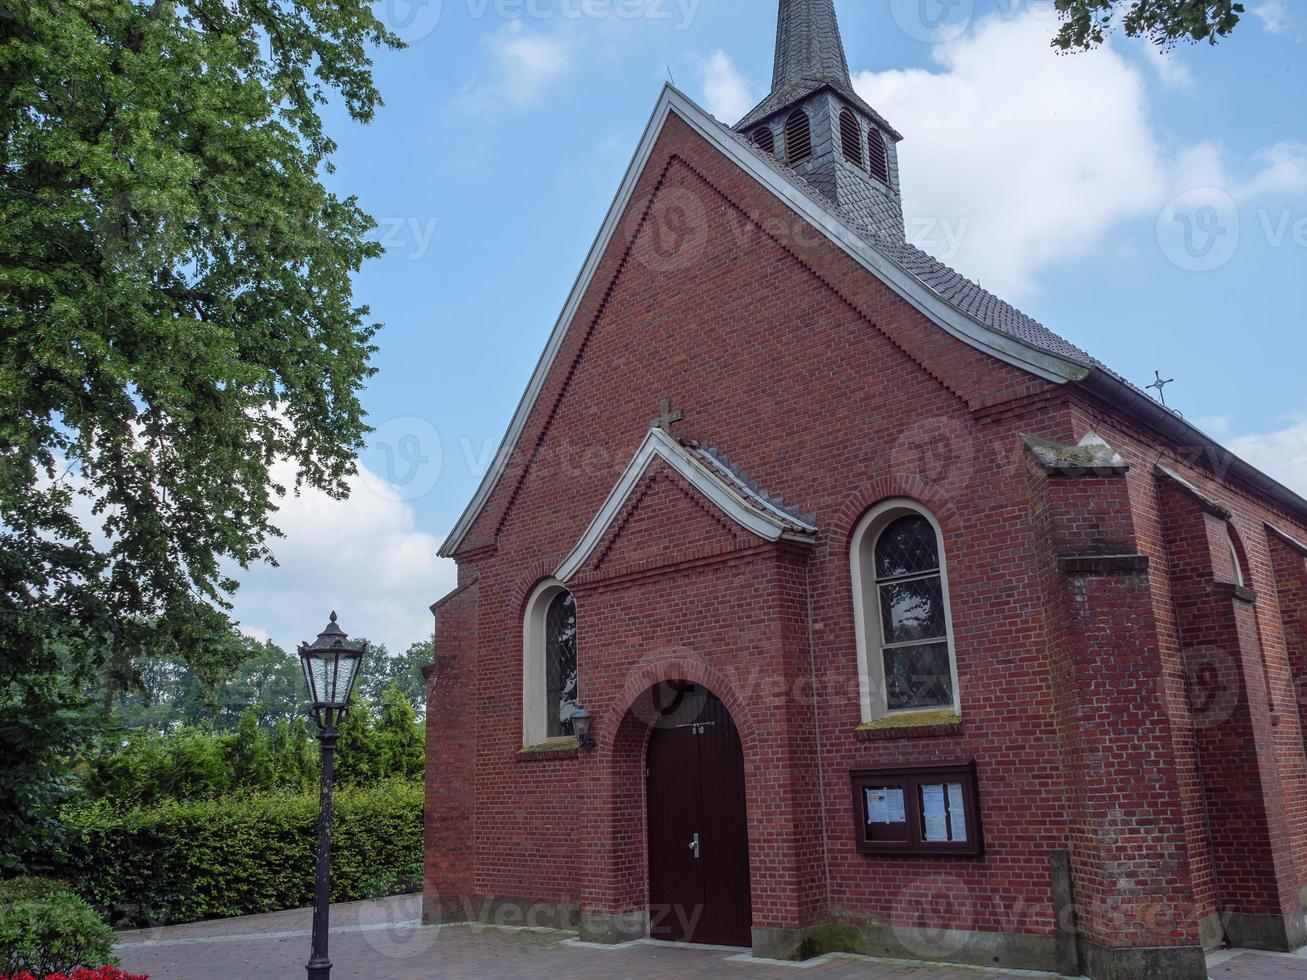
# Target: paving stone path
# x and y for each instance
(384, 941)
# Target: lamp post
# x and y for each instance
(331, 665)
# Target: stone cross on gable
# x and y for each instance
(667, 416)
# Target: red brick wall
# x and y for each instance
(450, 811)
(823, 386)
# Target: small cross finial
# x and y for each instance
(667, 416)
(1160, 386)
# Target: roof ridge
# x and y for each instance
(743, 481)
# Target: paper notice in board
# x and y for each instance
(885, 805)
(934, 813)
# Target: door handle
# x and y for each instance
(694, 846)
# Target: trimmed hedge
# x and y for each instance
(210, 859)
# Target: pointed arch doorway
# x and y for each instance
(698, 833)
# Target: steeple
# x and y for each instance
(808, 44)
(815, 122)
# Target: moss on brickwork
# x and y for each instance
(917, 719)
(566, 744)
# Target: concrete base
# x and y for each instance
(1169, 963)
(1281, 933)
(781, 944)
(613, 929)
(1013, 951)
(1211, 932)
(443, 910)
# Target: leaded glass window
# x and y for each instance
(913, 620)
(560, 664)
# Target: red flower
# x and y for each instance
(83, 973)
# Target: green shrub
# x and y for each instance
(29, 887)
(207, 859)
(45, 928)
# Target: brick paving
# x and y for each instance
(383, 940)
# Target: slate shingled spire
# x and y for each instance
(849, 153)
(808, 44)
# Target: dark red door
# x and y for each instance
(698, 838)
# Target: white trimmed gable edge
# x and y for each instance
(921, 297)
(658, 445)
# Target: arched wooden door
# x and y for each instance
(698, 835)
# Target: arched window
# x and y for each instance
(901, 606)
(763, 139)
(550, 691)
(1239, 578)
(851, 137)
(798, 137)
(879, 158)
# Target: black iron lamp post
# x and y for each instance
(331, 665)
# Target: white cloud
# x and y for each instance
(1283, 171)
(1017, 158)
(523, 66)
(1037, 155)
(1281, 454)
(1274, 15)
(363, 557)
(726, 93)
(1173, 72)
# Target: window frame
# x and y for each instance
(878, 149)
(788, 127)
(867, 614)
(535, 677)
(911, 779)
(850, 127)
(755, 137)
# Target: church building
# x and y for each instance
(818, 600)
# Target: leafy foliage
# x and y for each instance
(381, 669)
(196, 763)
(380, 745)
(45, 928)
(41, 715)
(168, 693)
(203, 859)
(177, 316)
(1162, 22)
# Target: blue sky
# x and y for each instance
(1153, 209)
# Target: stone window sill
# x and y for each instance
(555, 748)
(916, 724)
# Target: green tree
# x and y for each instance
(1162, 22)
(398, 736)
(177, 317)
(357, 759)
(381, 670)
(250, 755)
